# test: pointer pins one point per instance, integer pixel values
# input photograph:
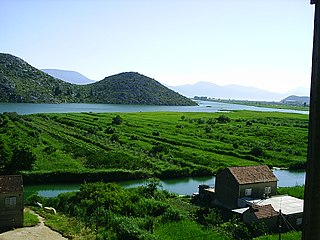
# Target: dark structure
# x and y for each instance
(235, 184)
(11, 201)
(262, 214)
(311, 218)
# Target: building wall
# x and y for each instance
(295, 220)
(258, 189)
(11, 210)
(226, 190)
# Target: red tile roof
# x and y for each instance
(264, 211)
(252, 174)
(11, 184)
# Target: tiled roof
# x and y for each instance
(11, 184)
(265, 211)
(252, 174)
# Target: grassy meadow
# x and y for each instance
(116, 146)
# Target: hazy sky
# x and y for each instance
(265, 44)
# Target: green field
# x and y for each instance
(76, 146)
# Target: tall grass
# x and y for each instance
(284, 236)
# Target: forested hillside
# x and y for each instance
(134, 88)
(91, 146)
(20, 82)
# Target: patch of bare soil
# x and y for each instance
(32, 233)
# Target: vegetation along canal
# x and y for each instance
(183, 186)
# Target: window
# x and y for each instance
(299, 221)
(267, 190)
(247, 192)
(10, 201)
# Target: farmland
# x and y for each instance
(74, 147)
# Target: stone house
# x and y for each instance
(234, 185)
(11, 201)
(250, 193)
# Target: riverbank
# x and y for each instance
(262, 104)
(181, 186)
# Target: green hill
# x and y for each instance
(134, 88)
(20, 82)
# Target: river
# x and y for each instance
(183, 186)
(204, 106)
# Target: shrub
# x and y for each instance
(156, 133)
(223, 119)
(114, 137)
(117, 120)
(257, 151)
(208, 129)
(158, 148)
(110, 130)
(201, 121)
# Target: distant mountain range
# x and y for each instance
(20, 82)
(68, 76)
(296, 100)
(199, 89)
(231, 92)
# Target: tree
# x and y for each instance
(158, 148)
(21, 159)
(223, 119)
(151, 186)
(117, 120)
(5, 154)
(114, 138)
(257, 151)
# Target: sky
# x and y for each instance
(264, 44)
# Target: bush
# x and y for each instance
(117, 120)
(257, 151)
(158, 148)
(156, 133)
(223, 119)
(114, 137)
(110, 130)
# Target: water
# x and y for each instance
(182, 186)
(290, 178)
(204, 106)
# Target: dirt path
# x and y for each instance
(32, 233)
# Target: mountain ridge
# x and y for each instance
(232, 91)
(21, 82)
(68, 76)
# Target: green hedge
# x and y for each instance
(75, 176)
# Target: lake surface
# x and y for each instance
(183, 186)
(204, 106)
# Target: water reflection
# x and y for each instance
(182, 186)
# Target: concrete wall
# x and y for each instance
(258, 189)
(226, 190)
(11, 212)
